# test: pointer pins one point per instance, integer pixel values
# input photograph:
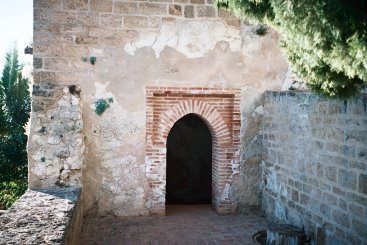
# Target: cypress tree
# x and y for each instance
(14, 115)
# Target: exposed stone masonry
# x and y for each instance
(44, 216)
(315, 165)
(56, 146)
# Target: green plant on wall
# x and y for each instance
(101, 105)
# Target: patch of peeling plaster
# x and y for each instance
(193, 38)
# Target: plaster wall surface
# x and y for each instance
(171, 43)
(315, 165)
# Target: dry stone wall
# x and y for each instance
(315, 165)
(170, 43)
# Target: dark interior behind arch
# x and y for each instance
(189, 162)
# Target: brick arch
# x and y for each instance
(217, 126)
(219, 109)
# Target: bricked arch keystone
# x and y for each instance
(220, 110)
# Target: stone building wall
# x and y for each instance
(315, 165)
(56, 145)
(170, 43)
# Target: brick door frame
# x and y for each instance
(219, 108)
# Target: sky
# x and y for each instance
(16, 26)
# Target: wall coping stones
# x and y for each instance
(42, 216)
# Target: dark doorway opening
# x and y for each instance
(189, 162)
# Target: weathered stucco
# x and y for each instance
(138, 45)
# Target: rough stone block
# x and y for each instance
(233, 22)
(356, 198)
(356, 209)
(46, 21)
(88, 19)
(347, 179)
(189, 11)
(126, 34)
(161, 1)
(325, 210)
(348, 151)
(100, 32)
(135, 22)
(168, 20)
(361, 153)
(154, 22)
(125, 8)
(48, 4)
(77, 4)
(304, 199)
(86, 40)
(338, 191)
(37, 63)
(355, 136)
(295, 196)
(330, 199)
(330, 173)
(101, 5)
(175, 9)
(305, 187)
(341, 218)
(60, 64)
(113, 21)
(152, 9)
(362, 186)
(68, 30)
(360, 229)
(319, 170)
(44, 76)
(197, 1)
(205, 11)
(343, 204)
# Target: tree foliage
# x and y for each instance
(325, 40)
(14, 115)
